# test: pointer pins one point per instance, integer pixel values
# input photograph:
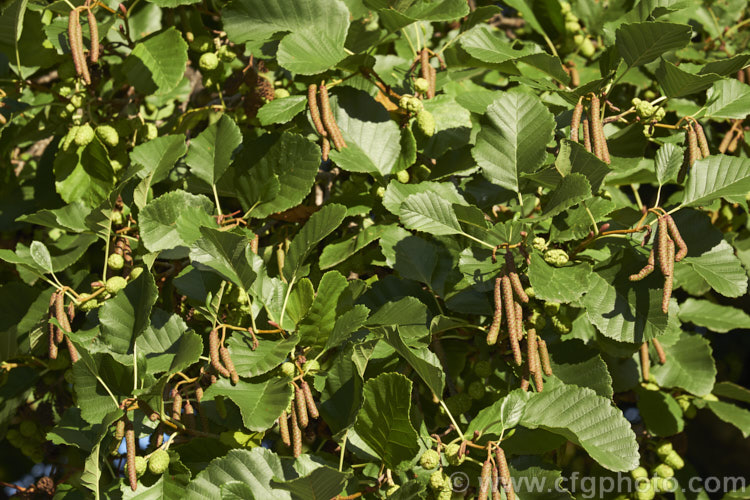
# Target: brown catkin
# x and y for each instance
(647, 269)
(586, 134)
(300, 403)
(494, 330)
(328, 120)
(484, 480)
(525, 382)
(119, 431)
(94, 35)
(695, 152)
(130, 447)
(312, 103)
(61, 316)
(226, 358)
(515, 281)
(674, 232)
(433, 82)
(201, 411)
(646, 237)
(53, 314)
(189, 415)
(325, 149)
(176, 405)
(312, 408)
(502, 467)
(519, 321)
(702, 142)
(296, 435)
(52, 344)
(735, 142)
(597, 131)
(668, 277)
(726, 140)
(284, 429)
(79, 58)
(495, 482)
(213, 353)
(510, 314)
(662, 239)
(544, 357)
(575, 121)
(532, 355)
(71, 350)
(659, 351)
(645, 362)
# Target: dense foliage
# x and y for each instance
(341, 248)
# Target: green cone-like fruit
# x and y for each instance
(663, 470)
(556, 257)
(664, 449)
(426, 123)
(115, 261)
(403, 176)
(115, 284)
(141, 464)
(108, 135)
(84, 135)
(410, 104)
(151, 132)
(476, 390)
(451, 454)
(159, 462)
(421, 85)
(483, 368)
(674, 460)
(587, 48)
(646, 492)
(437, 480)
(639, 473)
(208, 61)
(89, 305)
(288, 369)
(429, 459)
(280, 93)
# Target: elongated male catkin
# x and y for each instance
(296, 434)
(586, 134)
(668, 277)
(702, 142)
(515, 281)
(502, 467)
(575, 121)
(597, 131)
(544, 357)
(495, 484)
(659, 351)
(325, 149)
(176, 405)
(72, 350)
(662, 239)
(532, 355)
(76, 46)
(726, 140)
(213, 353)
(312, 103)
(226, 359)
(484, 480)
(61, 316)
(674, 232)
(94, 35)
(130, 447)
(312, 408)
(189, 415)
(300, 403)
(647, 269)
(433, 82)
(695, 152)
(119, 431)
(329, 122)
(645, 362)
(519, 321)
(201, 411)
(284, 429)
(494, 330)
(52, 344)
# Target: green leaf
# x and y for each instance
(484, 44)
(513, 139)
(310, 44)
(281, 110)
(318, 324)
(396, 193)
(256, 468)
(587, 419)
(738, 417)
(268, 355)
(425, 362)
(168, 344)
(574, 159)
(558, 284)
(383, 421)
(678, 83)
(573, 189)
(430, 214)
(503, 414)
(373, 139)
(41, 256)
(291, 158)
(69, 217)
(96, 379)
(689, 366)
(336, 253)
(640, 43)
(226, 253)
(161, 219)
(577, 364)
(715, 177)
(84, 174)
(211, 152)
(728, 99)
(157, 157)
(715, 317)
(157, 62)
(721, 269)
(660, 412)
(668, 162)
(623, 310)
(260, 402)
(321, 482)
(733, 391)
(321, 224)
(125, 316)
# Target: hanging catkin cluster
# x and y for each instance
(507, 289)
(667, 237)
(495, 474)
(594, 139)
(303, 408)
(696, 147)
(428, 72)
(646, 360)
(57, 334)
(220, 359)
(75, 39)
(323, 119)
